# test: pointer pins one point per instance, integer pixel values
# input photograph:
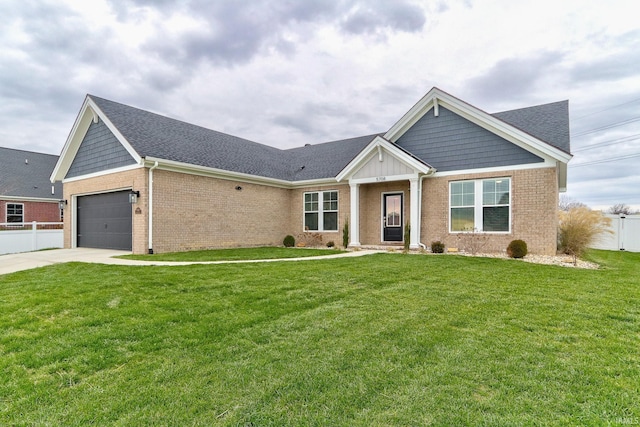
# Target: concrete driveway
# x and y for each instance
(27, 260)
(24, 261)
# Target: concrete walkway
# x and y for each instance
(27, 260)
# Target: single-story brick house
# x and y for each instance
(26, 193)
(141, 181)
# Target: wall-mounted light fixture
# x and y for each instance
(238, 188)
(62, 204)
(133, 196)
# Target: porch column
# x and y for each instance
(354, 221)
(414, 195)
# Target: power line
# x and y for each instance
(611, 159)
(609, 142)
(606, 109)
(612, 125)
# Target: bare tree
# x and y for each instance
(621, 208)
(566, 203)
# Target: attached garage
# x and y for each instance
(104, 221)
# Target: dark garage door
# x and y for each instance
(104, 221)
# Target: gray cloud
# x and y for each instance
(236, 32)
(372, 17)
(517, 75)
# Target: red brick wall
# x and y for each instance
(33, 211)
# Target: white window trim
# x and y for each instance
(478, 205)
(6, 212)
(321, 211)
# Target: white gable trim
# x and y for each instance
(377, 147)
(102, 173)
(88, 113)
(435, 98)
(527, 166)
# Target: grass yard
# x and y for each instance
(269, 252)
(381, 340)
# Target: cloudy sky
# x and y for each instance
(286, 73)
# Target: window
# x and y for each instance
(482, 205)
(15, 212)
(462, 206)
(321, 211)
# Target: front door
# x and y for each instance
(392, 217)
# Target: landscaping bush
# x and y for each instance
(407, 236)
(345, 234)
(437, 247)
(330, 244)
(578, 229)
(289, 241)
(517, 249)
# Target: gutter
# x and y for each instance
(431, 172)
(150, 217)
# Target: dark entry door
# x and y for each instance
(104, 221)
(392, 217)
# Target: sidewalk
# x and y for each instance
(28, 260)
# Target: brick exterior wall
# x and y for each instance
(297, 214)
(534, 219)
(33, 211)
(134, 179)
(371, 209)
(195, 212)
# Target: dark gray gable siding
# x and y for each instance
(100, 150)
(26, 174)
(450, 142)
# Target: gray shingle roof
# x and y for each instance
(547, 122)
(325, 160)
(30, 178)
(154, 135)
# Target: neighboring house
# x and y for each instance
(446, 168)
(26, 192)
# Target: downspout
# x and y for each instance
(427, 175)
(155, 165)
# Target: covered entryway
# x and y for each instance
(392, 209)
(104, 221)
(382, 162)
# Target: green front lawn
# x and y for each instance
(237, 254)
(386, 339)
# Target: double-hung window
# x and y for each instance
(480, 205)
(321, 211)
(15, 212)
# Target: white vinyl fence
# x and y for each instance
(625, 237)
(25, 237)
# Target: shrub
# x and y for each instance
(517, 249)
(345, 234)
(407, 236)
(309, 239)
(578, 229)
(472, 241)
(437, 247)
(330, 244)
(289, 241)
